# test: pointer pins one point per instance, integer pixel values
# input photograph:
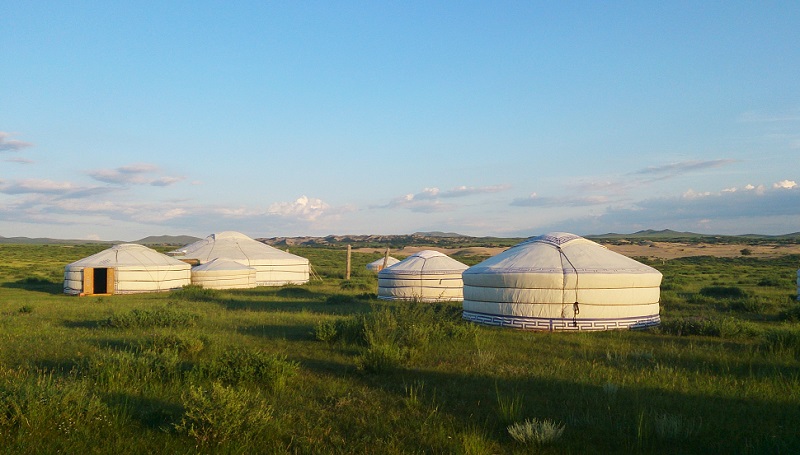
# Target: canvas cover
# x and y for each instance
(560, 281)
(224, 274)
(273, 267)
(377, 266)
(130, 268)
(427, 276)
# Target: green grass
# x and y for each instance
(327, 368)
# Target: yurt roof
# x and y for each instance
(218, 265)
(379, 262)
(426, 261)
(234, 246)
(561, 252)
(128, 254)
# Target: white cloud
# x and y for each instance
(304, 208)
(19, 160)
(429, 199)
(786, 184)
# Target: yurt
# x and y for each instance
(561, 281)
(427, 276)
(273, 267)
(224, 274)
(125, 269)
(377, 266)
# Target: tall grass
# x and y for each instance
(327, 368)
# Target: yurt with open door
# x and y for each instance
(377, 266)
(561, 281)
(224, 274)
(427, 276)
(273, 267)
(125, 269)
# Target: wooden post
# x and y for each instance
(347, 272)
(385, 259)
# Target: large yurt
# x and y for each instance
(377, 266)
(427, 276)
(224, 274)
(561, 281)
(273, 267)
(125, 269)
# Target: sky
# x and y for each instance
(120, 120)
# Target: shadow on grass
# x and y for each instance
(149, 412)
(279, 332)
(353, 306)
(36, 284)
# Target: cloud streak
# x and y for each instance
(11, 145)
(133, 174)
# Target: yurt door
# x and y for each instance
(98, 281)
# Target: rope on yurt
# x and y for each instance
(576, 310)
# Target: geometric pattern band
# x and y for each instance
(563, 324)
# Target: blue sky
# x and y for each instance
(120, 120)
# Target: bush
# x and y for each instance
(536, 432)
(723, 292)
(792, 314)
(219, 414)
(182, 344)
(325, 331)
(782, 340)
(195, 293)
(238, 365)
(338, 299)
(380, 358)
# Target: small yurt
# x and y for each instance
(125, 269)
(377, 266)
(427, 276)
(273, 267)
(224, 274)
(561, 281)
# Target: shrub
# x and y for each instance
(782, 340)
(769, 282)
(238, 365)
(723, 292)
(219, 414)
(26, 309)
(159, 317)
(325, 331)
(182, 344)
(746, 251)
(792, 314)
(509, 409)
(380, 358)
(195, 293)
(536, 432)
(338, 299)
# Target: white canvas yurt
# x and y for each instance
(561, 281)
(427, 276)
(273, 267)
(125, 269)
(224, 274)
(377, 266)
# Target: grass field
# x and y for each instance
(327, 368)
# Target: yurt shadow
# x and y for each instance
(288, 332)
(34, 284)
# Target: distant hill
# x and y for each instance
(49, 241)
(167, 240)
(152, 240)
(439, 234)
